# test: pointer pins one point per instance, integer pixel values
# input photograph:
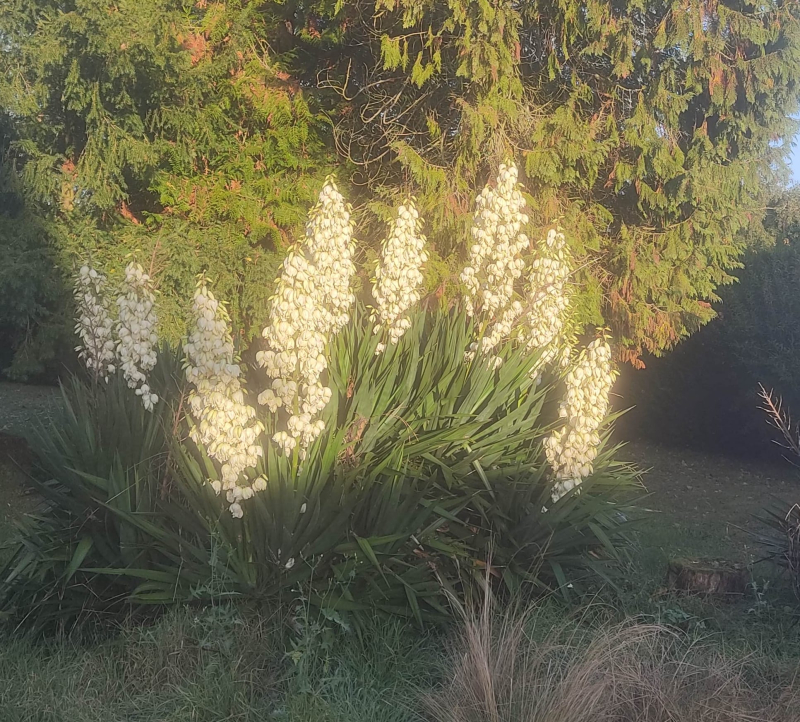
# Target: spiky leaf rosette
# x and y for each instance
(428, 469)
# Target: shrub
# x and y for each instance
(429, 469)
(396, 463)
(704, 393)
(201, 130)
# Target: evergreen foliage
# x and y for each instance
(760, 323)
(155, 129)
(646, 125)
(196, 135)
(706, 393)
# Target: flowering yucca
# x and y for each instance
(548, 298)
(572, 449)
(94, 325)
(136, 332)
(495, 260)
(224, 424)
(311, 302)
(398, 276)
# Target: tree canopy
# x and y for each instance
(196, 135)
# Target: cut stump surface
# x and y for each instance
(710, 578)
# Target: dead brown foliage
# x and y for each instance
(628, 673)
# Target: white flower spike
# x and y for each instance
(495, 260)
(572, 449)
(548, 299)
(136, 332)
(94, 325)
(311, 303)
(223, 423)
(398, 276)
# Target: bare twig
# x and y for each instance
(780, 419)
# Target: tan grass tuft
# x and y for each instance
(627, 673)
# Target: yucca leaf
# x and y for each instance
(81, 550)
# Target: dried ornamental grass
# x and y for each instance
(627, 673)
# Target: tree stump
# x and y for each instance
(715, 578)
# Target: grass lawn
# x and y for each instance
(721, 661)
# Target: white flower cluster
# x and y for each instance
(495, 260)
(94, 325)
(224, 424)
(398, 276)
(136, 332)
(548, 298)
(312, 302)
(572, 449)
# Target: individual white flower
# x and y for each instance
(548, 299)
(495, 260)
(136, 332)
(222, 422)
(286, 442)
(398, 276)
(571, 450)
(311, 303)
(94, 325)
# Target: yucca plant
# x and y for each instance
(386, 483)
(430, 469)
(101, 466)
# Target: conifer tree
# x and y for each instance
(198, 134)
(162, 129)
(648, 127)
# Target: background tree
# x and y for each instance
(648, 127)
(706, 393)
(160, 129)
